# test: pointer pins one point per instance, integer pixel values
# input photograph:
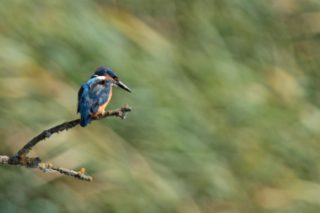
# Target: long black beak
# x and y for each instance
(123, 86)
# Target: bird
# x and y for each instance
(95, 94)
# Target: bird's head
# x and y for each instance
(110, 76)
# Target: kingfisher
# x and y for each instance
(95, 94)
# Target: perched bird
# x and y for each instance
(95, 94)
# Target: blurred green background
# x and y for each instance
(226, 98)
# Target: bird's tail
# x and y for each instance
(84, 108)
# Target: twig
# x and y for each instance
(47, 167)
(21, 158)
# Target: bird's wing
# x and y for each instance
(99, 95)
(83, 92)
(84, 99)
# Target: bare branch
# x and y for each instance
(121, 113)
(21, 158)
(46, 167)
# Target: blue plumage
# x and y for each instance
(92, 94)
(83, 105)
(99, 95)
(102, 71)
(95, 94)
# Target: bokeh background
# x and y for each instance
(226, 98)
